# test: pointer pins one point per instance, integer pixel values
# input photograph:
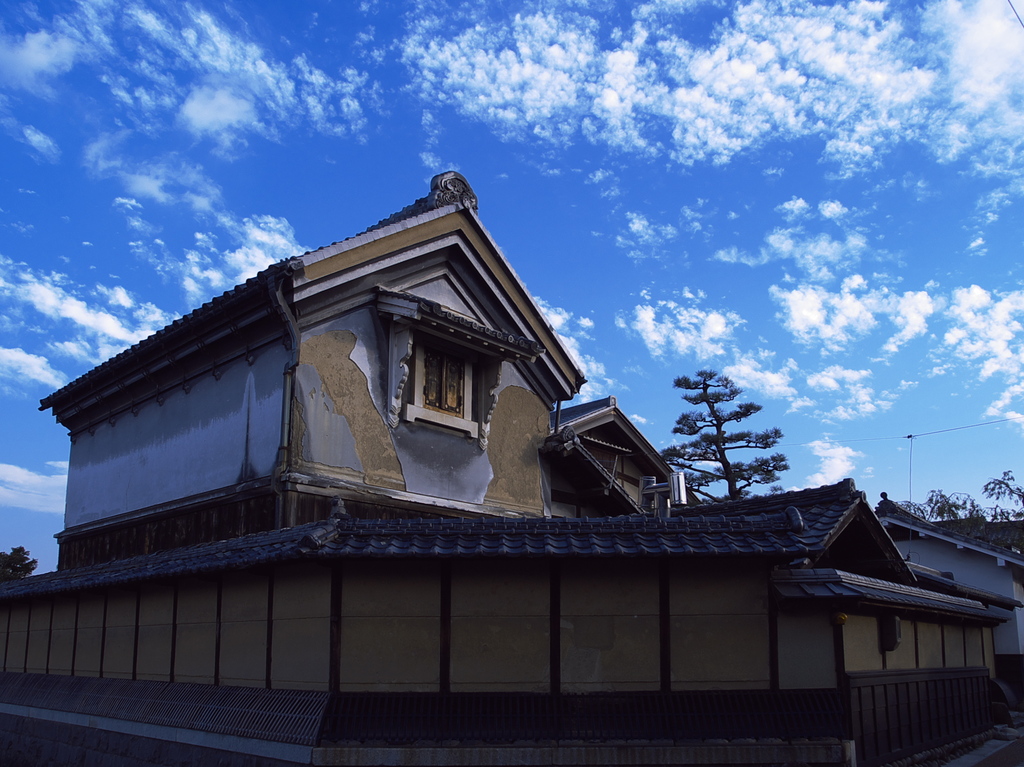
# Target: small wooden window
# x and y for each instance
(444, 381)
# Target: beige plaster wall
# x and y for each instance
(500, 637)
(929, 645)
(342, 380)
(990, 651)
(806, 651)
(196, 641)
(391, 626)
(719, 627)
(119, 637)
(5, 618)
(953, 640)
(17, 642)
(62, 641)
(243, 629)
(518, 427)
(156, 627)
(860, 644)
(90, 635)
(904, 656)
(40, 614)
(975, 645)
(302, 628)
(609, 626)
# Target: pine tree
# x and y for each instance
(16, 564)
(708, 459)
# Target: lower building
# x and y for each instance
(773, 630)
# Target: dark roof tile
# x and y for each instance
(766, 532)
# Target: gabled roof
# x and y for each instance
(259, 300)
(446, 219)
(771, 531)
(893, 514)
(587, 418)
(854, 534)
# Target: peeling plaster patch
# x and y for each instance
(442, 464)
(326, 437)
(369, 349)
(518, 429)
(346, 386)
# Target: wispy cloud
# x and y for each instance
(574, 332)
(17, 366)
(104, 330)
(644, 238)
(25, 489)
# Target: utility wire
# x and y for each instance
(1015, 12)
(909, 436)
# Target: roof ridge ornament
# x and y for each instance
(451, 188)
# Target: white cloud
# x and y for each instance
(834, 320)
(856, 399)
(794, 208)
(537, 75)
(45, 146)
(16, 365)
(31, 61)
(986, 327)
(207, 269)
(910, 313)
(837, 462)
(167, 180)
(213, 110)
(105, 331)
(748, 372)
(832, 209)
(644, 238)
(570, 330)
(775, 70)
(668, 326)
(979, 45)
(812, 314)
(24, 489)
(818, 255)
(181, 60)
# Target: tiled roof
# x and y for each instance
(937, 582)
(574, 413)
(893, 513)
(798, 529)
(626, 536)
(818, 584)
(820, 508)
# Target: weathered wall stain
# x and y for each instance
(347, 387)
(218, 433)
(442, 463)
(518, 427)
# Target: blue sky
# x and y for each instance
(821, 200)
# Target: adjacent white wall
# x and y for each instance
(220, 433)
